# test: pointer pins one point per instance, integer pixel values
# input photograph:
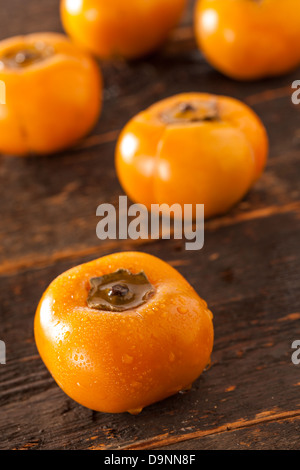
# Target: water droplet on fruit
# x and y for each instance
(126, 359)
(182, 310)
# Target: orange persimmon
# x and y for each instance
(249, 39)
(53, 94)
(192, 148)
(122, 332)
(118, 28)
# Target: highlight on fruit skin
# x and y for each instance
(123, 332)
(192, 148)
(53, 94)
(249, 39)
(118, 28)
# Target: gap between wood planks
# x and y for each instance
(37, 262)
(164, 440)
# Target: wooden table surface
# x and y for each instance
(248, 270)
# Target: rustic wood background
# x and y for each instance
(248, 270)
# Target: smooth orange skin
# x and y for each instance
(51, 104)
(117, 362)
(249, 39)
(118, 28)
(210, 163)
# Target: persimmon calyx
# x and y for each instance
(119, 291)
(194, 111)
(19, 57)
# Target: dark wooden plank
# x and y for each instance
(282, 434)
(18, 17)
(248, 270)
(256, 303)
(40, 225)
(48, 204)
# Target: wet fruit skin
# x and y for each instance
(249, 39)
(123, 361)
(53, 94)
(117, 28)
(192, 148)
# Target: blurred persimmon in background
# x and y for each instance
(53, 94)
(192, 148)
(249, 39)
(120, 28)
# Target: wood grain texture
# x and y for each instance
(248, 270)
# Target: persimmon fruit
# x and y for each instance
(118, 28)
(249, 39)
(122, 332)
(192, 148)
(53, 94)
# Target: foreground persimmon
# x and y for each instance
(53, 94)
(122, 332)
(249, 39)
(192, 148)
(113, 28)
